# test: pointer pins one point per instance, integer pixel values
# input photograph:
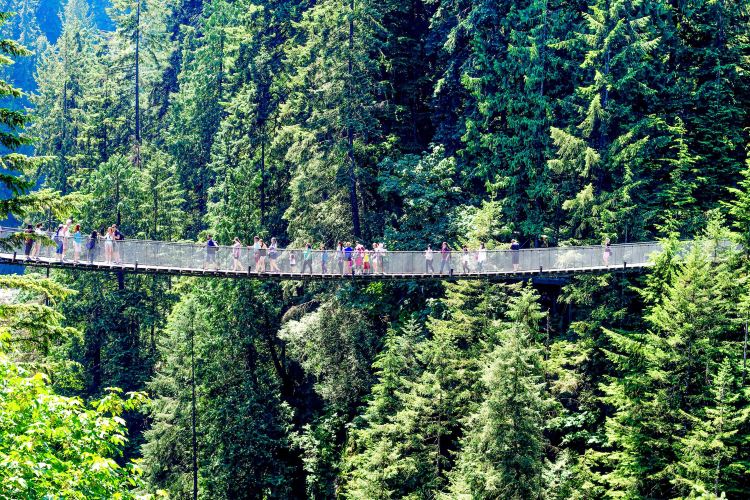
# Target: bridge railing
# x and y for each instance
(191, 256)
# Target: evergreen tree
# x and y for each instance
(708, 460)
(341, 98)
(64, 79)
(739, 207)
(49, 444)
(600, 155)
(661, 376)
(714, 39)
(23, 28)
(139, 50)
(417, 433)
(502, 454)
(507, 127)
(371, 463)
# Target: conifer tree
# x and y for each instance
(65, 80)
(139, 50)
(49, 444)
(340, 96)
(600, 154)
(502, 453)
(708, 461)
(661, 375)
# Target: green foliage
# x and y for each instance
(56, 445)
(423, 189)
(502, 454)
(411, 123)
(661, 382)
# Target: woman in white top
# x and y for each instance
(65, 235)
(428, 256)
(465, 259)
(109, 239)
(481, 257)
(39, 231)
(273, 254)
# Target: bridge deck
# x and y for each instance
(189, 259)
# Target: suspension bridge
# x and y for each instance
(191, 259)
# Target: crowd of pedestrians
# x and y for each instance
(351, 258)
(71, 245)
(346, 258)
(260, 257)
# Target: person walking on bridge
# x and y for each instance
(339, 257)
(515, 248)
(60, 243)
(359, 257)
(236, 252)
(65, 235)
(607, 252)
(211, 249)
(481, 257)
(28, 242)
(77, 240)
(118, 238)
(348, 258)
(256, 252)
(445, 257)
(263, 256)
(40, 233)
(307, 257)
(465, 259)
(91, 246)
(428, 257)
(273, 254)
(323, 259)
(109, 239)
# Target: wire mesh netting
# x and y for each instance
(168, 256)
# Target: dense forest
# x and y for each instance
(407, 122)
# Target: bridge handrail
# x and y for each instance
(436, 250)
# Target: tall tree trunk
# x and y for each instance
(138, 83)
(263, 177)
(350, 132)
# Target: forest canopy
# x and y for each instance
(548, 122)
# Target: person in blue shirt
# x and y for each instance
(348, 257)
(77, 240)
(211, 248)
